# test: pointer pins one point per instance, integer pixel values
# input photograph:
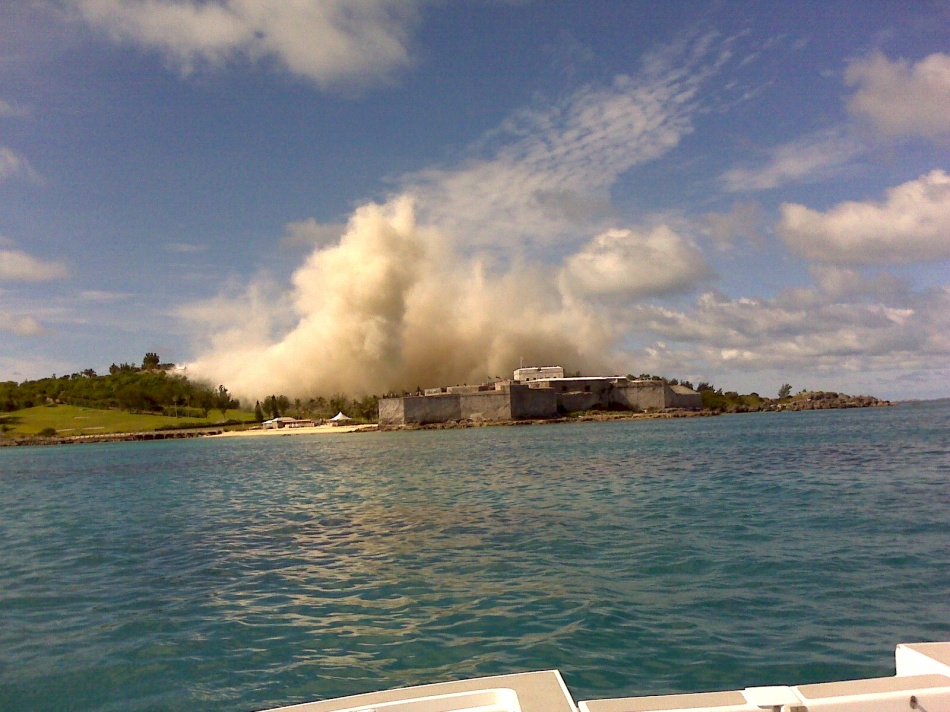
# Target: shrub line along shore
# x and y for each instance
(325, 429)
(338, 429)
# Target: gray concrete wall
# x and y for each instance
(486, 406)
(419, 410)
(432, 409)
(574, 402)
(515, 401)
(391, 411)
(684, 398)
(532, 402)
(641, 395)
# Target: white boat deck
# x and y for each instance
(521, 692)
(922, 684)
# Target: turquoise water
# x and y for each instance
(636, 557)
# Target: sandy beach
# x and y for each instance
(273, 432)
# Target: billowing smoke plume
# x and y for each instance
(393, 306)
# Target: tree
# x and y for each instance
(785, 391)
(150, 361)
(222, 400)
(258, 412)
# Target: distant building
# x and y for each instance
(533, 394)
(286, 422)
(491, 403)
(524, 375)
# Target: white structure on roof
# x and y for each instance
(922, 684)
(523, 375)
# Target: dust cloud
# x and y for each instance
(392, 307)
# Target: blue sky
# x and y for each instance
(311, 197)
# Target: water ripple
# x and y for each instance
(637, 557)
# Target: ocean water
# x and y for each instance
(637, 557)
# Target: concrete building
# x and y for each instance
(524, 375)
(534, 395)
(619, 393)
(497, 402)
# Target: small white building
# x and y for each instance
(287, 422)
(536, 373)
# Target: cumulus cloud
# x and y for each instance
(631, 264)
(857, 333)
(19, 325)
(328, 42)
(844, 284)
(18, 266)
(911, 225)
(391, 306)
(808, 159)
(900, 98)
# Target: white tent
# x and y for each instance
(339, 418)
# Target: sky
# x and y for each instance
(318, 196)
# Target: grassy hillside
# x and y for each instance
(68, 420)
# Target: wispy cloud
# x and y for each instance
(812, 158)
(185, 248)
(743, 222)
(10, 110)
(900, 98)
(18, 266)
(329, 42)
(911, 225)
(103, 297)
(15, 165)
(549, 168)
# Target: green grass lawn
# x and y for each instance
(68, 420)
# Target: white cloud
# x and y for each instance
(12, 165)
(743, 222)
(630, 264)
(18, 266)
(103, 297)
(833, 340)
(811, 158)
(551, 167)
(844, 284)
(903, 99)
(185, 248)
(329, 42)
(911, 225)
(19, 325)
(8, 110)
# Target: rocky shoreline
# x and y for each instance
(812, 400)
(587, 417)
(111, 437)
(818, 400)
